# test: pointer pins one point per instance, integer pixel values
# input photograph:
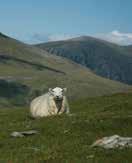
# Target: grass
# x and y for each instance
(67, 139)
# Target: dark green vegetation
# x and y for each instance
(104, 58)
(67, 139)
(13, 92)
(37, 70)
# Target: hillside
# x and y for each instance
(63, 139)
(26, 67)
(104, 58)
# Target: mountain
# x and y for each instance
(104, 58)
(27, 71)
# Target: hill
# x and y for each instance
(68, 138)
(104, 58)
(35, 70)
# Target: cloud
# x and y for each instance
(58, 37)
(50, 37)
(117, 37)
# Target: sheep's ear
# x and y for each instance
(50, 90)
(65, 89)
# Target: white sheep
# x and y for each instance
(52, 103)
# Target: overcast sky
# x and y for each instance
(36, 21)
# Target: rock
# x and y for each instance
(66, 131)
(16, 134)
(24, 133)
(90, 156)
(31, 132)
(112, 142)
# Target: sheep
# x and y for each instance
(52, 103)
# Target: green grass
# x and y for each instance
(67, 139)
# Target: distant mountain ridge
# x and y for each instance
(104, 58)
(26, 66)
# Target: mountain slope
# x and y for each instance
(38, 70)
(104, 58)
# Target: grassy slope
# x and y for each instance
(68, 138)
(80, 81)
(104, 58)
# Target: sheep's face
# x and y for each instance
(57, 93)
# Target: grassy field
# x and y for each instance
(67, 139)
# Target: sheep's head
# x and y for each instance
(57, 93)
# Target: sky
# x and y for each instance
(35, 21)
